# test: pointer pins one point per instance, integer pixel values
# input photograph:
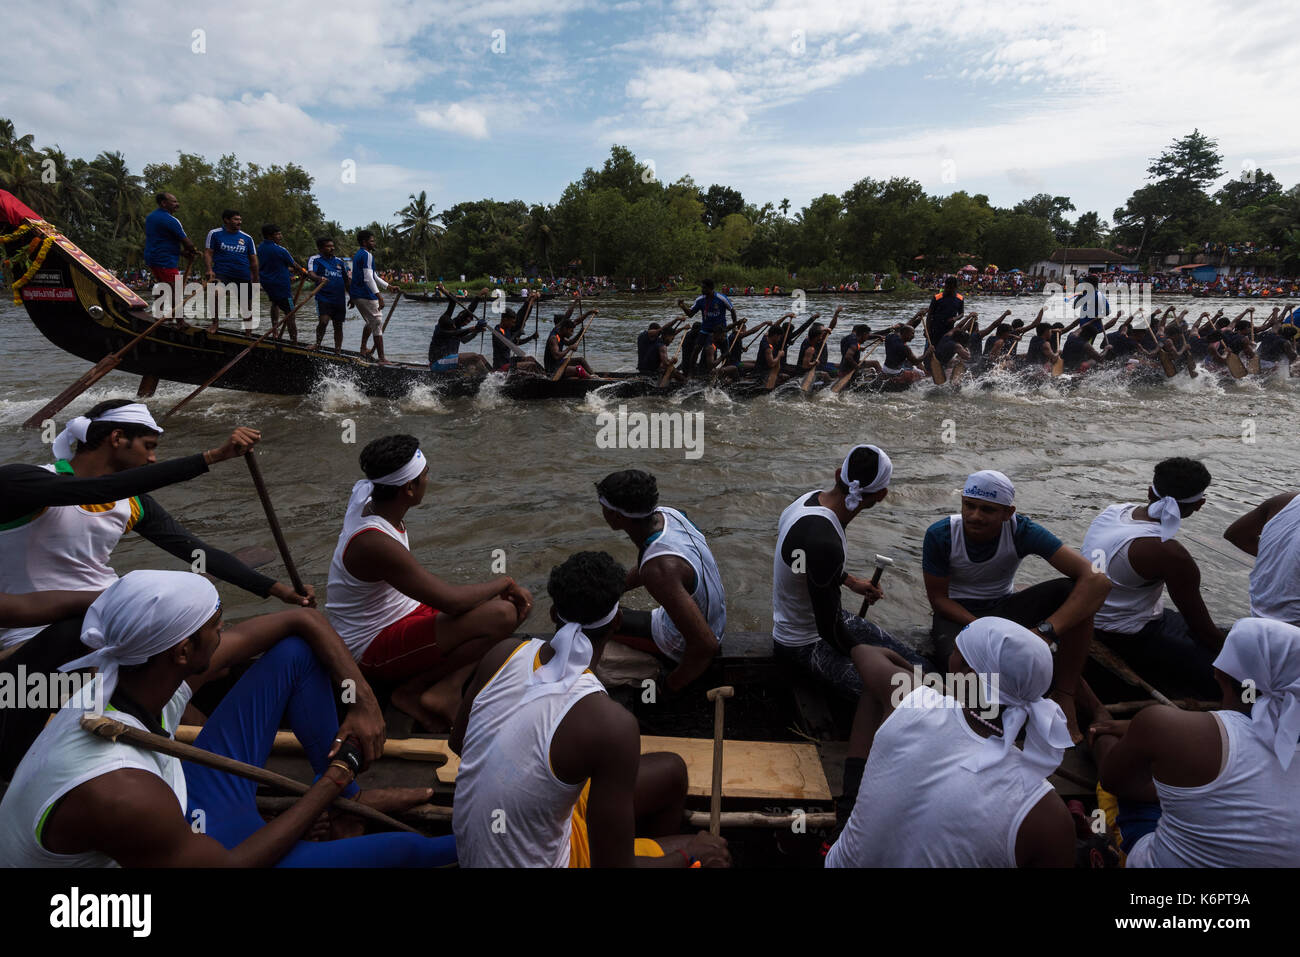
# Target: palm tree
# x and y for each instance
(21, 176)
(540, 235)
(785, 206)
(73, 203)
(420, 227)
(123, 191)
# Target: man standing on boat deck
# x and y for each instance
(331, 301)
(275, 264)
(402, 623)
(676, 567)
(813, 636)
(946, 785)
(230, 257)
(945, 309)
(1092, 305)
(1271, 532)
(164, 238)
(364, 289)
(547, 754)
(969, 561)
(52, 537)
(1134, 544)
(712, 306)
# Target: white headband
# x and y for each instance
(137, 413)
(572, 656)
(884, 471)
(362, 490)
(1166, 510)
(622, 511)
(1267, 652)
(990, 485)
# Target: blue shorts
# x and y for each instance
(448, 363)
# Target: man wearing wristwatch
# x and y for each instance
(970, 561)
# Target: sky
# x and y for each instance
(788, 99)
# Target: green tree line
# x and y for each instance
(621, 220)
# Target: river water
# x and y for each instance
(518, 477)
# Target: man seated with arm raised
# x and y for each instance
(79, 800)
(1271, 532)
(1214, 788)
(969, 562)
(948, 783)
(551, 771)
(52, 536)
(676, 567)
(1135, 546)
(402, 623)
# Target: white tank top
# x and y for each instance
(1249, 816)
(918, 807)
(793, 621)
(511, 809)
(995, 578)
(63, 547)
(681, 538)
(1275, 580)
(63, 757)
(1132, 601)
(360, 610)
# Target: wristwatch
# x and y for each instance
(1048, 633)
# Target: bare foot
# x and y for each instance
(385, 362)
(214, 328)
(313, 348)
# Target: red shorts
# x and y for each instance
(405, 648)
(165, 274)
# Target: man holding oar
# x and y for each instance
(331, 300)
(675, 565)
(230, 256)
(560, 345)
(54, 538)
(164, 238)
(712, 306)
(453, 330)
(1134, 544)
(551, 771)
(511, 329)
(901, 364)
(365, 287)
(156, 637)
(970, 560)
(402, 623)
(275, 264)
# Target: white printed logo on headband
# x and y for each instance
(991, 486)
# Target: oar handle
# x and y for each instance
(255, 470)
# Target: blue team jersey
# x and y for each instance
(273, 265)
(1030, 539)
(335, 271)
(361, 261)
(714, 313)
(163, 233)
(232, 254)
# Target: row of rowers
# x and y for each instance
(156, 637)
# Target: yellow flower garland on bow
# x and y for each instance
(37, 263)
(18, 233)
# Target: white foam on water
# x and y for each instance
(489, 393)
(338, 393)
(423, 398)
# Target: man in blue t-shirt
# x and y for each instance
(1092, 305)
(969, 562)
(331, 301)
(364, 287)
(276, 264)
(164, 238)
(713, 305)
(230, 256)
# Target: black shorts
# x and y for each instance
(835, 670)
(331, 310)
(1027, 607)
(284, 305)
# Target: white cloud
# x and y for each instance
(455, 118)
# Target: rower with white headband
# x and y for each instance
(551, 773)
(1135, 545)
(59, 523)
(1271, 532)
(1214, 788)
(401, 622)
(677, 568)
(969, 561)
(156, 637)
(949, 782)
(813, 635)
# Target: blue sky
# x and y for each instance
(790, 98)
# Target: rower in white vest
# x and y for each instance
(676, 567)
(1134, 543)
(1271, 532)
(1214, 788)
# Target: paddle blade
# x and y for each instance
(842, 382)
(936, 370)
(1058, 367)
(1235, 367)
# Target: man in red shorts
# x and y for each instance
(164, 238)
(403, 624)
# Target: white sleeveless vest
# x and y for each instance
(1248, 816)
(62, 547)
(1132, 601)
(681, 538)
(511, 810)
(360, 610)
(918, 807)
(1275, 580)
(995, 578)
(64, 756)
(793, 620)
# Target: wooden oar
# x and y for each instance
(559, 373)
(396, 298)
(672, 363)
(936, 367)
(425, 750)
(811, 376)
(233, 362)
(1167, 363)
(843, 381)
(770, 383)
(1058, 366)
(718, 696)
(1234, 362)
(1117, 666)
(259, 483)
(112, 730)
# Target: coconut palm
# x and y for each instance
(420, 227)
(121, 192)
